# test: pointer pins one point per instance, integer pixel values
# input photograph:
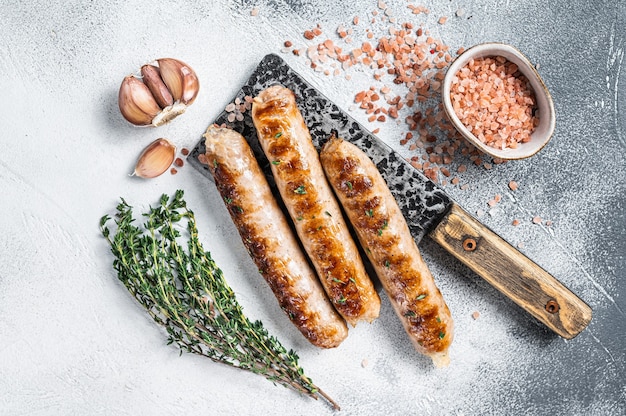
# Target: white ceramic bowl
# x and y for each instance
(542, 133)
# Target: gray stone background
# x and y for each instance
(73, 342)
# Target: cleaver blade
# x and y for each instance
(428, 210)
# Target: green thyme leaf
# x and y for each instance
(301, 190)
(166, 269)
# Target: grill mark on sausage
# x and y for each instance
(254, 211)
(385, 237)
(310, 202)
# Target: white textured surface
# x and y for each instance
(73, 342)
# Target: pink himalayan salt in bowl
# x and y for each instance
(543, 111)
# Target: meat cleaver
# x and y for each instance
(426, 207)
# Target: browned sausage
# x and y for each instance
(317, 216)
(385, 237)
(269, 239)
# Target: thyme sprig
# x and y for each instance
(185, 291)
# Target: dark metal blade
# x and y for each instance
(422, 202)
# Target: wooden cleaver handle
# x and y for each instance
(512, 273)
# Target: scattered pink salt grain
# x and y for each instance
(515, 222)
(475, 315)
(495, 102)
(407, 64)
(513, 186)
(537, 220)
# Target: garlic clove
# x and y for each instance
(136, 102)
(152, 78)
(169, 113)
(180, 79)
(155, 159)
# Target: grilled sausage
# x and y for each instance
(317, 216)
(269, 239)
(385, 237)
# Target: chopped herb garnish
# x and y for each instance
(215, 163)
(442, 335)
(349, 185)
(275, 162)
(420, 297)
(410, 314)
(342, 300)
(337, 280)
(352, 280)
(300, 190)
(369, 213)
(327, 213)
(380, 230)
(238, 209)
(299, 217)
(438, 319)
(277, 135)
(387, 263)
(228, 200)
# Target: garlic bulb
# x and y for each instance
(163, 92)
(155, 159)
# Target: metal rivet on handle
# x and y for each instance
(552, 306)
(469, 244)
